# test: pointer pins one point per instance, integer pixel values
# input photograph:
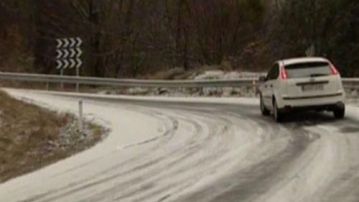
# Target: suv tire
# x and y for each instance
(264, 110)
(339, 112)
(277, 115)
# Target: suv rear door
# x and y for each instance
(311, 79)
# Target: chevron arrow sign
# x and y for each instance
(68, 63)
(78, 62)
(68, 53)
(69, 42)
(79, 41)
(59, 64)
(78, 52)
(59, 54)
(72, 63)
(73, 53)
(59, 43)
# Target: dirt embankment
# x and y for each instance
(32, 137)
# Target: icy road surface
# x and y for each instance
(194, 150)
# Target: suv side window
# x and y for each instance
(273, 73)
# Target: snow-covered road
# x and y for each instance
(197, 149)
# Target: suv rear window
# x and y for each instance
(311, 69)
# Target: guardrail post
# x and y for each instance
(77, 83)
(80, 121)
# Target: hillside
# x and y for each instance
(134, 38)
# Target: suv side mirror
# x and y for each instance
(262, 79)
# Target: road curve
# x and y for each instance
(197, 150)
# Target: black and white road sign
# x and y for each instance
(69, 53)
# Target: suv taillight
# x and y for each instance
(283, 73)
(334, 70)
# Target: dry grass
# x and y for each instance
(27, 137)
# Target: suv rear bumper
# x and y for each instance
(328, 101)
(326, 107)
(286, 98)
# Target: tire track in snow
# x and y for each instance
(220, 152)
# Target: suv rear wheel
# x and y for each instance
(264, 110)
(278, 116)
(339, 113)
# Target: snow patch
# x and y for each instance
(196, 92)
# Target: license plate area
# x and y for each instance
(313, 87)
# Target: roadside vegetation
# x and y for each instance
(137, 38)
(32, 137)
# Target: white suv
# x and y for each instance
(302, 84)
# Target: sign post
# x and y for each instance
(69, 56)
(81, 124)
(62, 74)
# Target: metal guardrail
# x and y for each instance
(125, 82)
(349, 83)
